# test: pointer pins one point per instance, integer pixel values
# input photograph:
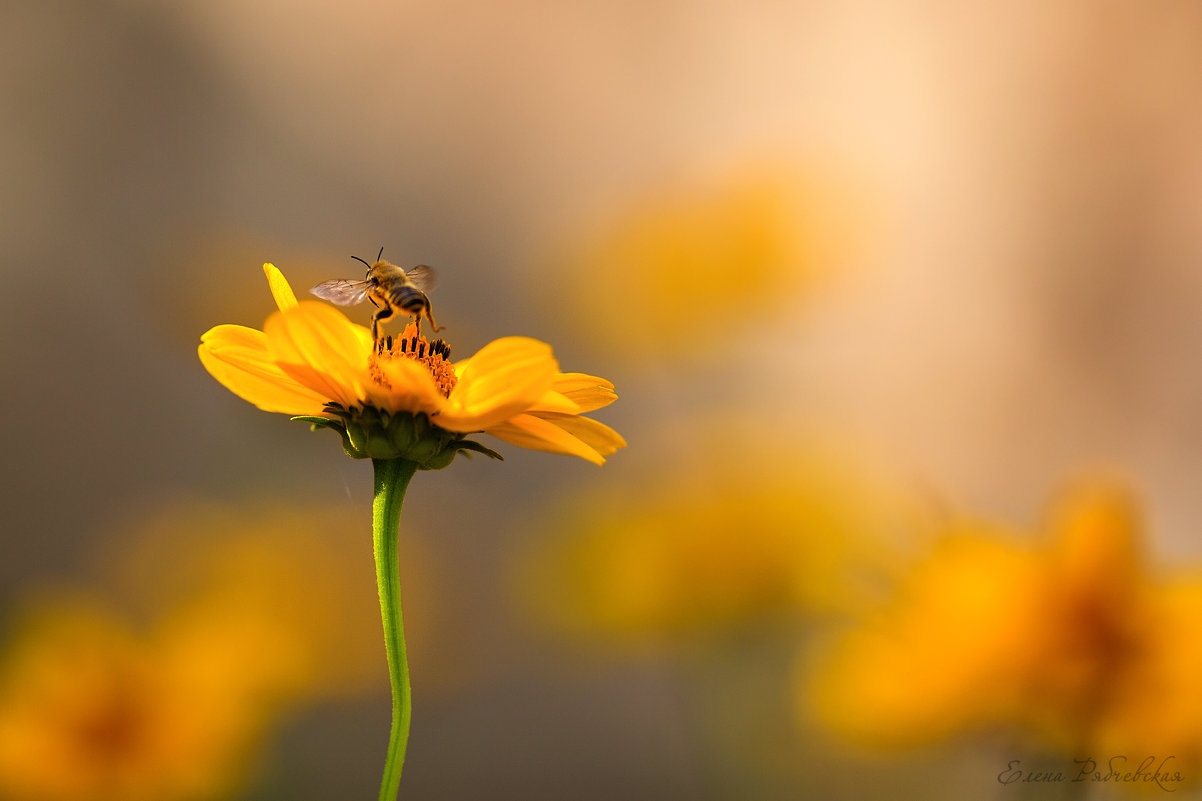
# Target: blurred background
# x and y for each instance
(870, 277)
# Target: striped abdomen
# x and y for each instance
(408, 299)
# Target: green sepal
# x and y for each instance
(318, 422)
(471, 445)
(370, 433)
(444, 457)
(356, 437)
(439, 460)
(401, 429)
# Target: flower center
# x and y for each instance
(434, 356)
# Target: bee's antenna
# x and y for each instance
(381, 253)
(356, 258)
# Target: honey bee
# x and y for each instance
(389, 288)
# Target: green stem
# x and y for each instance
(391, 479)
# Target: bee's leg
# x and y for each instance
(375, 327)
(417, 324)
(383, 314)
(430, 317)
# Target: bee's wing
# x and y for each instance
(342, 291)
(423, 277)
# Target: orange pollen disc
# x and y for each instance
(435, 356)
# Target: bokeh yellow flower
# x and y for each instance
(216, 622)
(92, 709)
(682, 266)
(267, 591)
(707, 549)
(311, 361)
(1072, 640)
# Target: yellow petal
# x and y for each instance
(553, 401)
(238, 358)
(570, 382)
(598, 436)
(316, 344)
(588, 392)
(504, 378)
(538, 434)
(576, 393)
(280, 290)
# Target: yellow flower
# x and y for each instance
(90, 709)
(1073, 640)
(244, 614)
(684, 255)
(945, 656)
(262, 593)
(310, 361)
(706, 550)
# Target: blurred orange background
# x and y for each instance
(863, 273)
